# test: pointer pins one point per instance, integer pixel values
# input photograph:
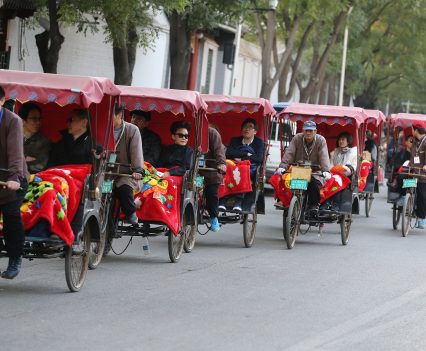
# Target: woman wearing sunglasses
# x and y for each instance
(178, 156)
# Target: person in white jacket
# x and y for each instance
(345, 154)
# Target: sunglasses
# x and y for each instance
(180, 135)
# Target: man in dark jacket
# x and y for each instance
(14, 173)
(151, 142)
(76, 146)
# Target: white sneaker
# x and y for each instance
(237, 209)
(222, 208)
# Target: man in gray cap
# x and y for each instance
(310, 147)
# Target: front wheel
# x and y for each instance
(249, 228)
(176, 242)
(345, 228)
(396, 216)
(292, 222)
(407, 214)
(76, 261)
(190, 236)
(368, 202)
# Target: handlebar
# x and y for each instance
(5, 185)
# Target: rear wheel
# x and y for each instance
(249, 228)
(97, 250)
(190, 237)
(292, 222)
(345, 228)
(396, 216)
(407, 214)
(176, 242)
(76, 261)
(369, 197)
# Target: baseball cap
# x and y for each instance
(419, 124)
(309, 125)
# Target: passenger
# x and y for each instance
(12, 160)
(401, 159)
(370, 145)
(128, 145)
(151, 141)
(76, 144)
(212, 180)
(178, 157)
(246, 147)
(344, 154)
(309, 146)
(36, 145)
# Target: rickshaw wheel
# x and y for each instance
(76, 261)
(176, 242)
(190, 236)
(249, 228)
(368, 202)
(97, 250)
(396, 216)
(292, 222)
(407, 214)
(345, 228)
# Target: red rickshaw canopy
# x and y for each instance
(405, 120)
(377, 115)
(56, 88)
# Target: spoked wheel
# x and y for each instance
(77, 260)
(292, 222)
(97, 248)
(407, 214)
(396, 216)
(176, 242)
(368, 202)
(345, 228)
(190, 236)
(249, 228)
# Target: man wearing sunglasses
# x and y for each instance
(178, 156)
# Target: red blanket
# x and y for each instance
(366, 166)
(236, 179)
(159, 199)
(281, 185)
(54, 195)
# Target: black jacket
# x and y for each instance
(176, 155)
(69, 151)
(236, 149)
(151, 146)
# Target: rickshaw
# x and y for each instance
(401, 125)
(227, 113)
(331, 121)
(58, 95)
(375, 123)
(156, 217)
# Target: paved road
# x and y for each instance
(369, 295)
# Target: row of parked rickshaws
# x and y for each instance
(101, 221)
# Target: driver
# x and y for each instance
(311, 147)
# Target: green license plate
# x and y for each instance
(199, 181)
(409, 183)
(107, 187)
(298, 184)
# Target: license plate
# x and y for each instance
(199, 181)
(298, 184)
(409, 183)
(112, 158)
(107, 187)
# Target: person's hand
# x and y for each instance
(347, 169)
(249, 154)
(326, 175)
(12, 185)
(424, 168)
(136, 176)
(29, 159)
(406, 163)
(280, 170)
(237, 159)
(222, 168)
(166, 174)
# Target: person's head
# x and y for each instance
(118, 116)
(249, 128)
(369, 135)
(309, 130)
(409, 142)
(140, 118)
(180, 132)
(78, 123)
(344, 139)
(2, 96)
(419, 129)
(31, 117)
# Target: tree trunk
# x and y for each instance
(49, 42)
(323, 90)
(332, 95)
(179, 50)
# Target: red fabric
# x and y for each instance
(58, 205)
(161, 205)
(281, 185)
(366, 166)
(336, 183)
(236, 179)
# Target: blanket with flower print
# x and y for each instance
(237, 178)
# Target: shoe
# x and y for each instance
(420, 223)
(325, 206)
(133, 219)
(214, 224)
(334, 207)
(279, 204)
(222, 208)
(237, 208)
(400, 202)
(313, 207)
(13, 268)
